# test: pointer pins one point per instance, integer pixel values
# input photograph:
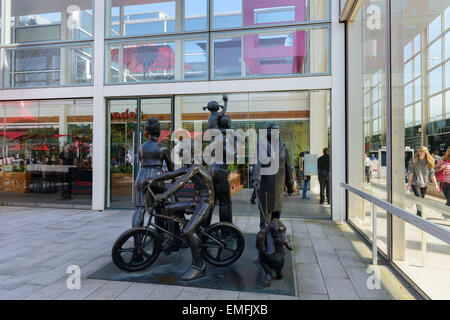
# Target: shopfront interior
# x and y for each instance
(297, 113)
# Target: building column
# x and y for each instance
(179, 49)
(318, 128)
(338, 145)
(99, 112)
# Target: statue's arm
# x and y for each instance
(225, 106)
(179, 182)
(167, 159)
(166, 176)
(289, 178)
(140, 157)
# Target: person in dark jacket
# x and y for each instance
(323, 165)
(270, 188)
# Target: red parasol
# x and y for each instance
(42, 147)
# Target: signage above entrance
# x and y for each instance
(126, 115)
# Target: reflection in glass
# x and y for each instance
(30, 22)
(155, 17)
(244, 13)
(123, 142)
(48, 66)
(367, 116)
(294, 114)
(275, 52)
(145, 61)
(423, 258)
(195, 60)
(47, 153)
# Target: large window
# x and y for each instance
(44, 20)
(366, 138)
(274, 52)
(165, 51)
(46, 149)
(303, 118)
(399, 131)
(47, 43)
(246, 13)
(421, 58)
(132, 17)
(39, 66)
(153, 59)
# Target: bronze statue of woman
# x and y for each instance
(152, 155)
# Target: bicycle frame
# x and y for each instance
(152, 214)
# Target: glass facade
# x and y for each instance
(399, 133)
(46, 148)
(164, 51)
(29, 61)
(39, 66)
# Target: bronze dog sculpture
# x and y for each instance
(271, 242)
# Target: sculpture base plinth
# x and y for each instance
(244, 275)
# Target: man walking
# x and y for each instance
(323, 165)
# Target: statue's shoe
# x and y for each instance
(194, 273)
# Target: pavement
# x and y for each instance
(37, 245)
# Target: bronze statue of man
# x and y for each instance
(152, 155)
(270, 188)
(219, 171)
(201, 207)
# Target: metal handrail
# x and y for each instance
(436, 206)
(420, 223)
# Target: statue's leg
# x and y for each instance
(278, 271)
(138, 221)
(197, 269)
(223, 193)
(138, 217)
(267, 273)
(175, 209)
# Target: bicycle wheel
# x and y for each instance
(222, 244)
(129, 253)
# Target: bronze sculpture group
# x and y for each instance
(219, 244)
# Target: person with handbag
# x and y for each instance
(421, 172)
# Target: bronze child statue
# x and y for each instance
(200, 206)
(219, 171)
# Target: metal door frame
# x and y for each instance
(136, 142)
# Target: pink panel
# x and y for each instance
(253, 53)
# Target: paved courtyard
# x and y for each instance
(37, 245)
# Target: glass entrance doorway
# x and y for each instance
(125, 135)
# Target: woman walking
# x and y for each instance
(421, 171)
(444, 165)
